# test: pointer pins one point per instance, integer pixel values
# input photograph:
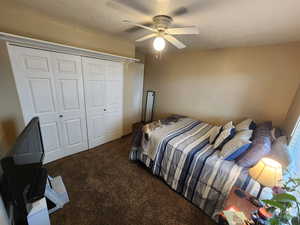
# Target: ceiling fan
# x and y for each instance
(162, 31)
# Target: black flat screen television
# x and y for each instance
(21, 170)
(29, 148)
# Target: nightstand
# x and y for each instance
(242, 204)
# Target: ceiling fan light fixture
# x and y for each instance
(159, 44)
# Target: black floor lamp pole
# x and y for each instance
(260, 190)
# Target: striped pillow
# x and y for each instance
(261, 146)
(227, 133)
(214, 134)
(245, 125)
(235, 148)
(228, 125)
(246, 134)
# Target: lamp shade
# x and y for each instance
(267, 172)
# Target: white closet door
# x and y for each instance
(103, 82)
(94, 82)
(114, 100)
(70, 96)
(35, 85)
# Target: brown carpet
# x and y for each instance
(106, 188)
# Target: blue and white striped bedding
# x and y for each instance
(186, 161)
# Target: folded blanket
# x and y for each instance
(150, 145)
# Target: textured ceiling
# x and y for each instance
(222, 23)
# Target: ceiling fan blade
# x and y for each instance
(139, 25)
(146, 37)
(174, 41)
(135, 28)
(183, 30)
(179, 11)
(197, 7)
(135, 5)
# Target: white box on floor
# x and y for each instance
(56, 192)
(38, 213)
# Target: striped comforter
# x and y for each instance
(189, 165)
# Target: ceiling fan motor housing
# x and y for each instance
(162, 22)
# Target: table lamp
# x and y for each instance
(267, 172)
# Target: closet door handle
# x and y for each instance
(104, 109)
(61, 116)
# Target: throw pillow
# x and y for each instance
(261, 146)
(214, 134)
(246, 134)
(245, 125)
(227, 133)
(228, 125)
(235, 148)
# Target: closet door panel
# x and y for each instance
(36, 89)
(96, 95)
(97, 129)
(114, 93)
(41, 91)
(51, 136)
(94, 71)
(114, 100)
(73, 128)
(70, 95)
(113, 125)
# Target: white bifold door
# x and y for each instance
(50, 86)
(104, 96)
(77, 109)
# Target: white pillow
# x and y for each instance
(228, 125)
(224, 137)
(235, 148)
(214, 134)
(280, 151)
(244, 125)
(246, 134)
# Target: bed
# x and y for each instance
(178, 151)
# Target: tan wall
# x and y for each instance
(140, 56)
(11, 119)
(293, 113)
(19, 20)
(226, 84)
